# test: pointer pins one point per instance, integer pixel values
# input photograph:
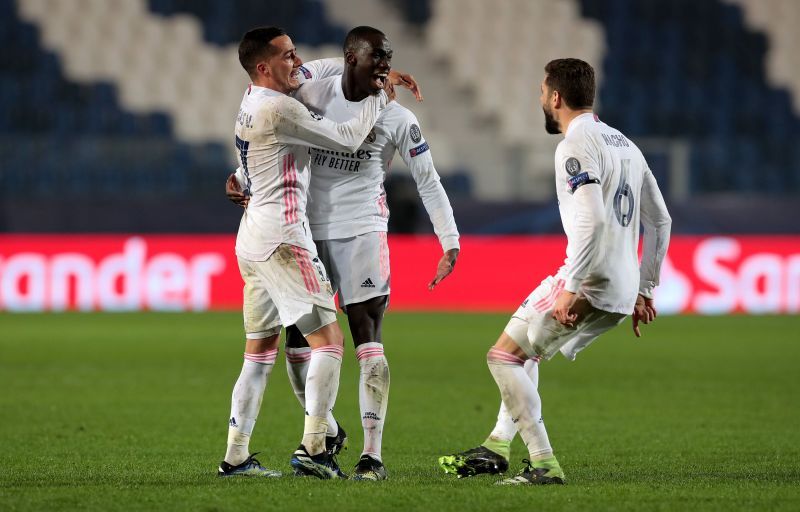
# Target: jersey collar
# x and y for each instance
(583, 118)
(266, 91)
(340, 93)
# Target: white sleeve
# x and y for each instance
(575, 166)
(321, 68)
(295, 124)
(587, 230)
(657, 223)
(416, 154)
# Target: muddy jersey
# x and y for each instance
(346, 195)
(273, 132)
(603, 264)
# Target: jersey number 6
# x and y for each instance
(624, 190)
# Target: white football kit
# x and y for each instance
(600, 173)
(347, 202)
(273, 134)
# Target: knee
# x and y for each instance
(365, 320)
(262, 345)
(499, 356)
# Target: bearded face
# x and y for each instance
(550, 124)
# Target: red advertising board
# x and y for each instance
(708, 275)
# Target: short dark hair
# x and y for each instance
(357, 35)
(255, 46)
(574, 81)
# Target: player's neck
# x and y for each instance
(350, 89)
(569, 115)
(266, 82)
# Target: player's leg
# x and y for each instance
(299, 285)
(365, 320)
(322, 384)
(506, 361)
(361, 266)
(298, 357)
(262, 328)
(499, 439)
(493, 455)
(544, 337)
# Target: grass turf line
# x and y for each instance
(129, 412)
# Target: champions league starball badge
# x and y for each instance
(573, 166)
(416, 135)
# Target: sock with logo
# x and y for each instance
(521, 399)
(322, 385)
(499, 440)
(297, 360)
(246, 402)
(373, 395)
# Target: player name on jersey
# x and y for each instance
(615, 140)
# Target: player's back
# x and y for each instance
(277, 178)
(593, 152)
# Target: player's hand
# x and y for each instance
(563, 309)
(388, 87)
(407, 81)
(644, 311)
(234, 192)
(446, 265)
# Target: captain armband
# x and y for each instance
(575, 182)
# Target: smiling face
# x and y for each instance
(282, 67)
(371, 61)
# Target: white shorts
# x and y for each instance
(538, 334)
(358, 266)
(290, 288)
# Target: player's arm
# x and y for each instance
(416, 154)
(656, 224)
(321, 68)
(295, 124)
(580, 173)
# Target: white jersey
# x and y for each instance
(273, 133)
(346, 195)
(603, 263)
(320, 69)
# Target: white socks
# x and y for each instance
(521, 398)
(246, 402)
(297, 360)
(505, 429)
(373, 395)
(322, 385)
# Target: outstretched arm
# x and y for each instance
(321, 68)
(416, 154)
(407, 81)
(295, 124)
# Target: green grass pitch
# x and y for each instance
(129, 412)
